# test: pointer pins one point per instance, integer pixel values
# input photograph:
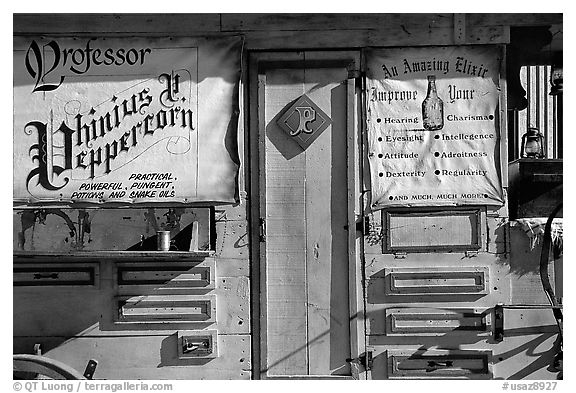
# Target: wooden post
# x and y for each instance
(194, 237)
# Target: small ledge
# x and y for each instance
(20, 256)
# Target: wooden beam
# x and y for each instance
(146, 24)
(266, 40)
(186, 24)
(518, 19)
(309, 22)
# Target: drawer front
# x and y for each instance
(457, 364)
(56, 275)
(431, 321)
(166, 277)
(142, 309)
(448, 281)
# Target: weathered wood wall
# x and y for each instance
(296, 31)
(75, 324)
(425, 317)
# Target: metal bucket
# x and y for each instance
(163, 240)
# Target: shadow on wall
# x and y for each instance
(282, 141)
(339, 269)
(523, 352)
(432, 365)
(73, 320)
(525, 252)
(534, 354)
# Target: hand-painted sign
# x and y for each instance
(433, 127)
(125, 120)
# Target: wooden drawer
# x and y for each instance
(167, 277)
(435, 364)
(166, 309)
(40, 275)
(437, 281)
(196, 344)
(414, 321)
(412, 230)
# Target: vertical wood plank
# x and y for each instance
(355, 289)
(549, 116)
(318, 231)
(259, 211)
(194, 238)
(503, 117)
(538, 102)
(285, 242)
(326, 217)
(522, 115)
(532, 97)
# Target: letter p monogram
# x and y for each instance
(307, 114)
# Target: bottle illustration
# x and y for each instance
(432, 107)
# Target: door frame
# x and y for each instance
(258, 63)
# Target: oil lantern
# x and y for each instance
(532, 143)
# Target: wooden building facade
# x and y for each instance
(299, 272)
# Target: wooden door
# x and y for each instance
(310, 321)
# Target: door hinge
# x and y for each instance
(262, 229)
(362, 226)
(365, 225)
(364, 359)
(498, 323)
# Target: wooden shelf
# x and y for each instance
(535, 187)
(33, 256)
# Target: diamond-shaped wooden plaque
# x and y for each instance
(304, 121)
